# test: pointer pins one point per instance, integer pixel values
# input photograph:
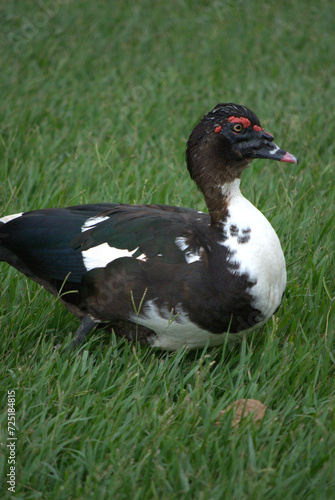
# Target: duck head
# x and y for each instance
(221, 146)
(226, 140)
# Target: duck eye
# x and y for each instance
(238, 127)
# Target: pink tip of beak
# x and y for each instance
(288, 158)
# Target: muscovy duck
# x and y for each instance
(163, 275)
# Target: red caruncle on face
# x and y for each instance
(240, 119)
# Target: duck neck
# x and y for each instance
(216, 169)
(218, 197)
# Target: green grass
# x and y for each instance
(98, 100)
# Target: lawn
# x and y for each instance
(98, 100)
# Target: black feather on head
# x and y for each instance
(222, 112)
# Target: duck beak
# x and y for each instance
(274, 152)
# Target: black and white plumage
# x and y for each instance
(166, 276)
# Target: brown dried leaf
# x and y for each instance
(245, 407)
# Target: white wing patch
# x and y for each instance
(92, 222)
(190, 256)
(8, 218)
(101, 255)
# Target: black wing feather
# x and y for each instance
(50, 241)
(152, 229)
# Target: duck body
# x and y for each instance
(166, 276)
